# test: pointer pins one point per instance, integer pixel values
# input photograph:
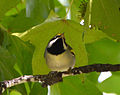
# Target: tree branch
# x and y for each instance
(54, 77)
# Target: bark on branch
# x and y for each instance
(54, 77)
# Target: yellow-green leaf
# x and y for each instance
(40, 35)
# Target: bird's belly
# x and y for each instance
(61, 62)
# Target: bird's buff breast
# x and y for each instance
(60, 62)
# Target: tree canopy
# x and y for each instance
(26, 26)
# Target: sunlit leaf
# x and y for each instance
(111, 85)
(5, 6)
(105, 15)
(74, 85)
(92, 35)
(39, 36)
(60, 10)
(104, 51)
(15, 93)
(35, 13)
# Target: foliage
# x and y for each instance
(27, 26)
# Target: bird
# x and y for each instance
(58, 54)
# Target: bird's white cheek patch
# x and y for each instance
(51, 42)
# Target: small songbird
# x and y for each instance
(59, 55)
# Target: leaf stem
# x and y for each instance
(68, 9)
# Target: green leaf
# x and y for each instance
(51, 4)
(111, 85)
(92, 35)
(5, 6)
(1, 36)
(40, 35)
(38, 90)
(36, 12)
(7, 71)
(60, 10)
(105, 15)
(74, 85)
(15, 57)
(75, 11)
(20, 23)
(78, 9)
(19, 7)
(39, 9)
(21, 51)
(93, 77)
(14, 92)
(7, 62)
(104, 51)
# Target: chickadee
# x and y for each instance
(59, 55)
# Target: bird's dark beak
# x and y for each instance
(62, 35)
